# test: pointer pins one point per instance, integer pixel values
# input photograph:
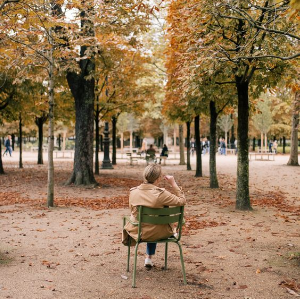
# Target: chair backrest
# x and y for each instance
(161, 216)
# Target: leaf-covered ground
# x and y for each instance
(74, 249)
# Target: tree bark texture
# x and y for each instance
(114, 140)
(181, 146)
(198, 147)
(242, 190)
(188, 147)
(20, 141)
(13, 140)
(97, 114)
(82, 86)
(50, 183)
(213, 144)
(83, 92)
(293, 160)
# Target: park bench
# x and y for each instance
(262, 156)
(134, 158)
(64, 154)
(36, 148)
(156, 217)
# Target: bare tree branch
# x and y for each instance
(6, 2)
(267, 56)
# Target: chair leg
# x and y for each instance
(128, 255)
(166, 256)
(134, 265)
(182, 263)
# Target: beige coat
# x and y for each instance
(151, 196)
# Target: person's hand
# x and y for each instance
(170, 179)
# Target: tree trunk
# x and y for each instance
(181, 146)
(174, 142)
(165, 137)
(242, 190)
(130, 141)
(283, 145)
(293, 161)
(253, 145)
(198, 147)
(13, 140)
(226, 143)
(232, 139)
(40, 122)
(1, 163)
(101, 142)
(20, 140)
(50, 192)
(122, 143)
(188, 146)
(83, 90)
(213, 142)
(114, 140)
(97, 114)
(266, 142)
(59, 142)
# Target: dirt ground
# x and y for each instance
(74, 250)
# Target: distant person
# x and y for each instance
(144, 146)
(235, 146)
(7, 144)
(220, 146)
(150, 154)
(270, 146)
(204, 148)
(223, 147)
(151, 151)
(207, 145)
(275, 145)
(164, 152)
(192, 146)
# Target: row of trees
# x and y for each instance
(223, 55)
(220, 56)
(95, 46)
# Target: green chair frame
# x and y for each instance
(157, 216)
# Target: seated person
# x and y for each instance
(149, 195)
(150, 153)
(164, 152)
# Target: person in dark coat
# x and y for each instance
(164, 152)
(7, 144)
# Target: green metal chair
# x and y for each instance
(157, 216)
(150, 158)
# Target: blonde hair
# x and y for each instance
(151, 173)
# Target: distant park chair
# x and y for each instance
(157, 216)
(150, 158)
